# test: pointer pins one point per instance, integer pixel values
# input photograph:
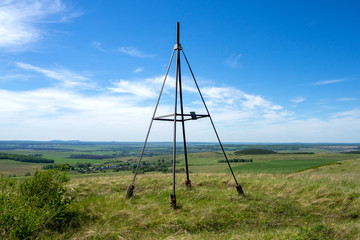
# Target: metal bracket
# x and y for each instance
(177, 46)
(193, 115)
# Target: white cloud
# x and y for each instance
(298, 99)
(233, 106)
(355, 113)
(346, 99)
(51, 113)
(62, 114)
(236, 97)
(14, 76)
(221, 94)
(149, 87)
(123, 112)
(66, 77)
(19, 21)
(134, 88)
(253, 101)
(97, 45)
(233, 61)
(134, 52)
(138, 70)
(329, 81)
(49, 101)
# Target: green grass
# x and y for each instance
(320, 203)
(272, 163)
(62, 157)
(280, 166)
(205, 162)
(11, 167)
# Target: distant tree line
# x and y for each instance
(59, 167)
(25, 158)
(254, 151)
(91, 156)
(352, 152)
(236, 160)
(297, 153)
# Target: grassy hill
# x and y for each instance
(319, 203)
(289, 196)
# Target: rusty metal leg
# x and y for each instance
(130, 191)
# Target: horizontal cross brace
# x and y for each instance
(167, 117)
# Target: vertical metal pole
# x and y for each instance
(188, 182)
(177, 33)
(238, 187)
(172, 196)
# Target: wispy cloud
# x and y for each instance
(134, 88)
(346, 99)
(354, 113)
(221, 95)
(52, 113)
(329, 81)
(233, 61)
(138, 70)
(234, 96)
(234, 105)
(97, 45)
(134, 52)
(256, 101)
(67, 78)
(19, 21)
(14, 76)
(298, 99)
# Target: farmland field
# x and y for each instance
(203, 157)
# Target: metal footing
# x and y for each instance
(130, 191)
(172, 201)
(188, 184)
(240, 190)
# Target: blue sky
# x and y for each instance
(270, 71)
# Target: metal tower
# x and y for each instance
(179, 117)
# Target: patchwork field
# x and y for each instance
(202, 157)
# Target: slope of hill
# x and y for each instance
(319, 203)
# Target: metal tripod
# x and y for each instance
(179, 117)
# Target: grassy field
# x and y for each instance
(270, 163)
(10, 167)
(319, 203)
(205, 162)
(203, 157)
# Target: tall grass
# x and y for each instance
(313, 204)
